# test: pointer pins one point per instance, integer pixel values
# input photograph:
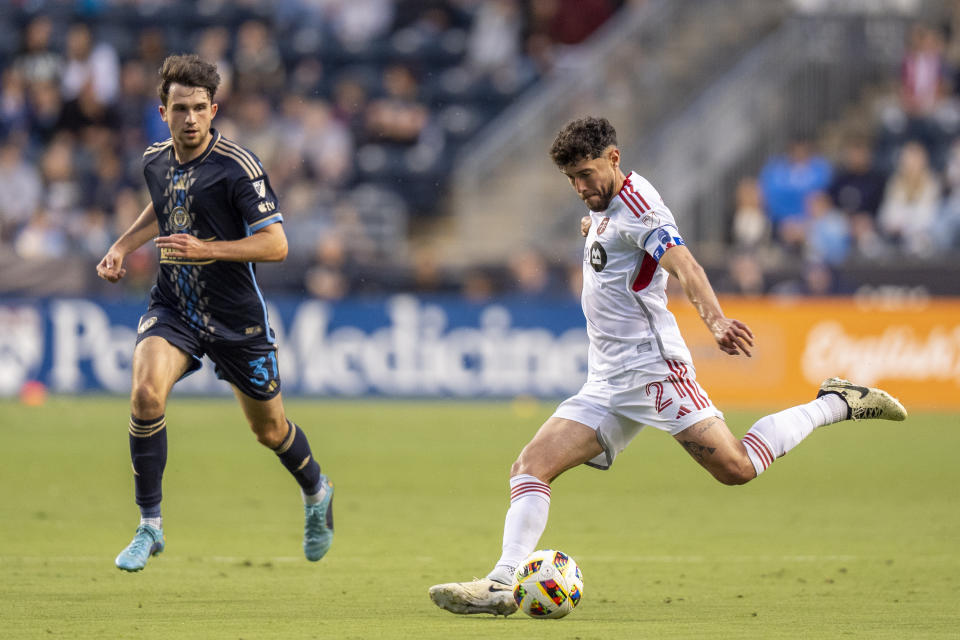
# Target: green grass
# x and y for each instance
(854, 534)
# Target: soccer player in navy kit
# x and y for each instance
(212, 215)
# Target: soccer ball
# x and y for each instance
(548, 584)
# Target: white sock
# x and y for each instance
(526, 519)
(772, 436)
(156, 523)
(314, 498)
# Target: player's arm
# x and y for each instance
(268, 244)
(732, 336)
(143, 228)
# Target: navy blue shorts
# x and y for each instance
(249, 364)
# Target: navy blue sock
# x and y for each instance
(148, 452)
(294, 453)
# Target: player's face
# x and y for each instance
(595, 179)
(189, 114)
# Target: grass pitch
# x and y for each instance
(854, 534)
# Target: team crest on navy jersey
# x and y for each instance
(603, 225)
(179, 218)
(597, 257)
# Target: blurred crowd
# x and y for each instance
(892, 191)
(355, 107)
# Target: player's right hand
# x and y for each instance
(585, 225)
(111, 267)
(733, 337)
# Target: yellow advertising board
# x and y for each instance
(911, 350)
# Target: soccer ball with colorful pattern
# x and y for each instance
(548, 584)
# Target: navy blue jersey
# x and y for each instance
(223, 194)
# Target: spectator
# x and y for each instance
(911, 201)
(213, 45)
(828, 231)
(399, 116)
(37, 61)
(357, 23)
(947, 226)
(90, 62)
(570, 22)
(14, 111)
(325, 144)
(41, 238)
(745, 276)
(751, 227)
(327, 277)
(857, 189)
(494, 40)
(22, 189)
(924, 79)
(61, 187)
(257, 64)
(45, 107)
(786, 181)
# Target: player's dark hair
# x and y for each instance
(582, 139)
(190, 70)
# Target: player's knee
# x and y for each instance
(146, 401)
(734, 472)
(270, 433)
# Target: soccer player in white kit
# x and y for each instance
(639, 369)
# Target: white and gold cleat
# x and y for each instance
(864, 402)
(480, 596)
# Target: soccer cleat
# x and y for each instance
(864, 402)
(318, 523)
(148, 541)
(480, 596)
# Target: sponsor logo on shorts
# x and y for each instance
(253, 331)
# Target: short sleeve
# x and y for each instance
(647, 221)
(256, 202)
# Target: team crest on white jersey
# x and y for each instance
(259, 188)
(603, 225)
(598, 257)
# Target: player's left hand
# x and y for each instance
(183, 245)
(733, 337)
(585, 223)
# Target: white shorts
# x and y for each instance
(666, 396)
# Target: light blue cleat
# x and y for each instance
(318, 523)
(148, 541)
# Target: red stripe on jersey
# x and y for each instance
(632, 205)
(637, 195)
(633, 198)
(648, 267)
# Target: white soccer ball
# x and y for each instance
(548, 584)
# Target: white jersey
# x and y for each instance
(624, 289)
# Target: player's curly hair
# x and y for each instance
(189, 70)
(582, 139)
